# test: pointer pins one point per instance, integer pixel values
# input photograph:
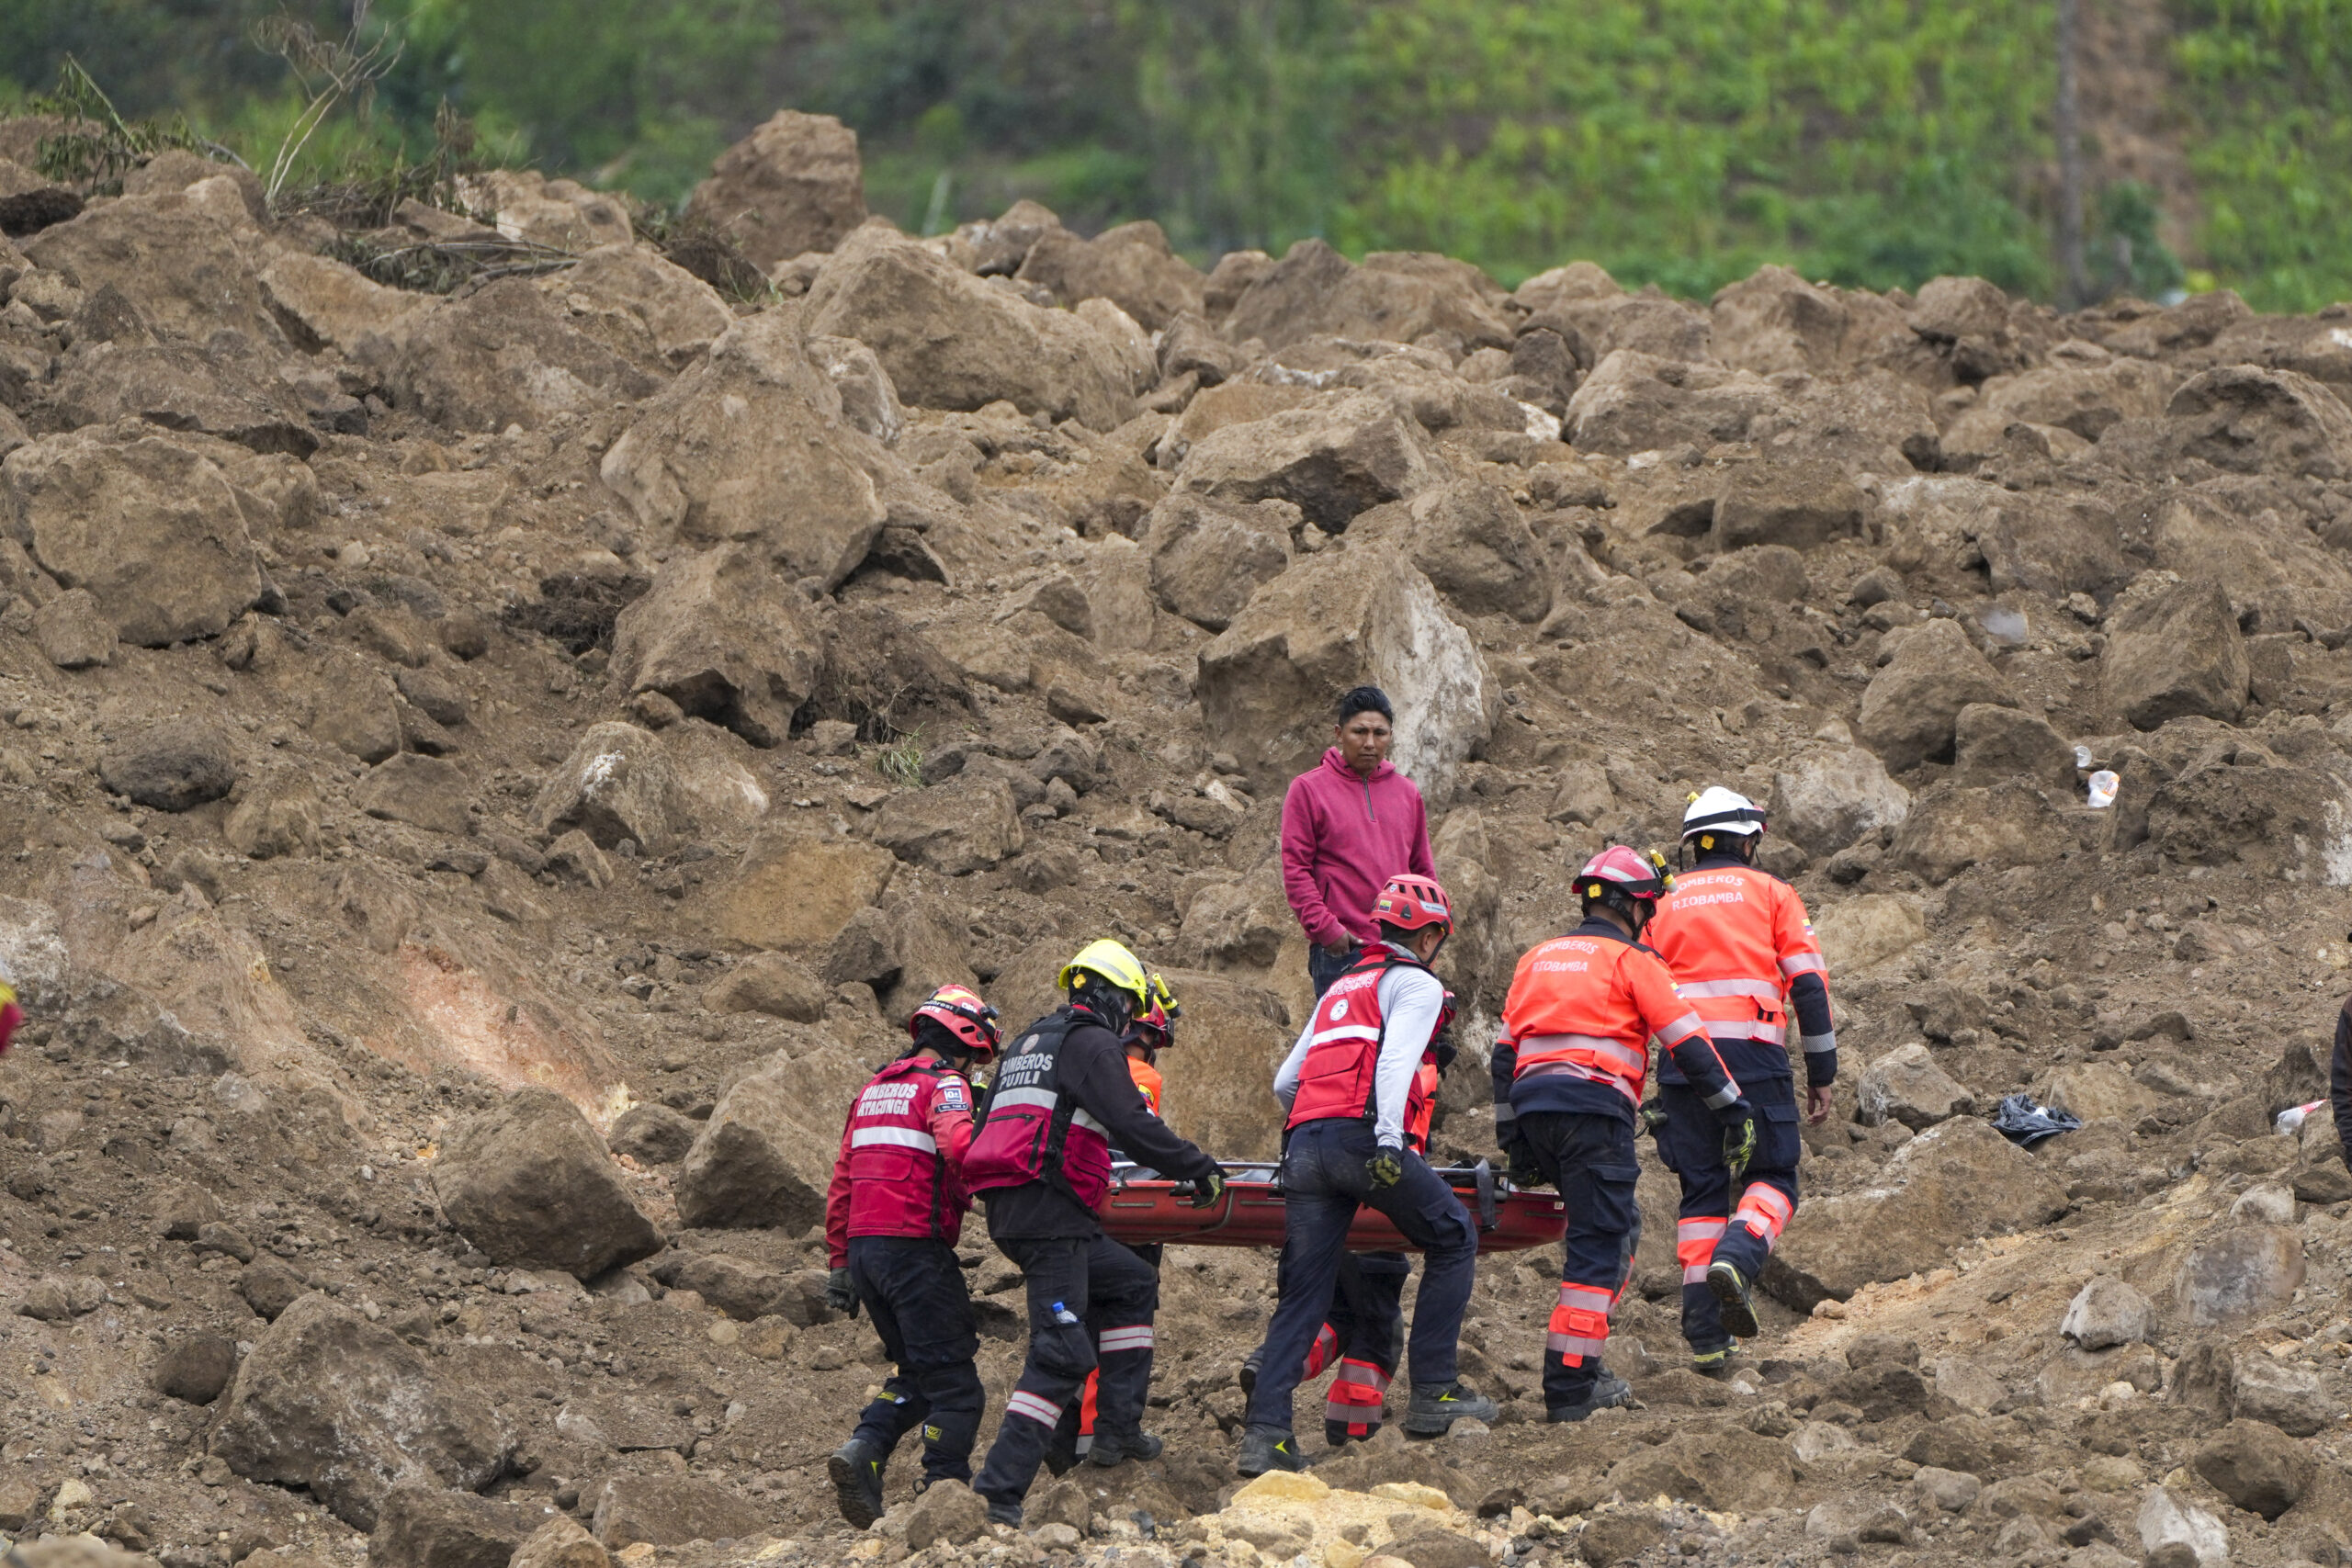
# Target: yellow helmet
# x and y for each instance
(1113, 963)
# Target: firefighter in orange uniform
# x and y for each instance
(1569, 1072)
(1745, 958)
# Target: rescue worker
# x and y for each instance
(892, 1216)
(11, 1015)
(2339, 1077)
(1041, 1161)
(1346, 1085)
(1364, 1328)
(1568, 1074)
(1148, 1035)
(1744, 957)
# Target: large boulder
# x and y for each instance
(1911, 708)
(152, 529)
(1207, 557)
(1826, 800)
(764, 1159)
(1797, 501)
(1394, 296)
(2107, 1313)
(618, 783)
(2237, 1273)
(1993, 744)
(171, 766)
(2088, 394)
(671, 1510)
(2252, 420)
(1640, 403)
(1336, 620)
(1338, 454)
(2274, 570)
(326, 303)
(531, 1185)
(1471, 542)
(1907, 1086)
(507, 354)
(185, 262)
(682, 314)
(433, 1527)
(793, 185)
(332, 1404)
(2173, 650)
(725, 639)
(752, 446)
(951, 340)
(1952, 1183)
(795, 887)
(2256, 1466)
(1774, 320)
(1132, 265)
(226, 387)
(1953, 827)
(1975, 326)
(965, 824)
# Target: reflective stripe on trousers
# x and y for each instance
(1694, 1246)
(1134, 1337)
(1357, 1393)
(1044, 1412)
(1319, 1355)
(1579, 1325)
(1764, 1210)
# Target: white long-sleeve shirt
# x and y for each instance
(1410, 1001)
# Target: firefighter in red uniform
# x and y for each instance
(1041, 1161)
(1148, 1036)
(1569, 1072)
(1347, 1083)
(1363, 1330)
(892, 1215)
(1745, 958)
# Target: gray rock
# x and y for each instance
(671, 1510)
(431, 792)
(964, 825)
(2256, 1466)
(795, 185)
(1907, 1086)
(653, 1134)
(2106, 1312)
(739, 1288)
(173, 766)
(1332, 459)
(2290, 1397)
(72, 634)
(2174, 650)
(432, 1527)
(60, 1298)
(771, 984)
(270, 1286)
(763, 1159)
(1207, 557)
(2239, 1272)
(1862, 1520)
(1950, 1490)
(724, 636)
(530, 1183)
(618, 783)
(1911, 708)
(196, 1367)
(1828, 799)
(948, 1513)
(1993, 744)
(330, 1402)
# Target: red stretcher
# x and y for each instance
(1142, 1208)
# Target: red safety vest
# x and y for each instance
(1030, 1130)
(901, 1182)
(1343, 1043)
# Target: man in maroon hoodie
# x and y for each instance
(1349, 823)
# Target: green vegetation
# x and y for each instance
(1873, 142)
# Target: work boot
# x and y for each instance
(1249, 1365)
(1718, 1364)
(1004, 1513)
(1731, 1294)
(1609, 1391)
(1060, 1458)
(1111, 1447)
(1437, 1405)
(1264, 1449)
(856, 1470)
(1336, 1434)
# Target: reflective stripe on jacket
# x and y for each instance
(1339, 1077)
(1590, 1003)
(898, 1170)
(1030, 1130)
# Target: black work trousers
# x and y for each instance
(914, 1291)
(1590, 1160)
(1071, 1283)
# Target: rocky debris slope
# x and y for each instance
(484, 776)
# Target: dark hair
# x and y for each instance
(1366, 699)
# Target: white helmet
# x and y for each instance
(1719, 810)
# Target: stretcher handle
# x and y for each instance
(1482, 1175)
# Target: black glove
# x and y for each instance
(1739, 1139)
(1384, 1169)
(1442, 1049)
(1652, 1114)
(838, 1295)
(1519, 1162)
(1207, 1190)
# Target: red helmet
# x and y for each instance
(1156, 1025)
(1410, 902)
(1621, 869)
(960, 1011)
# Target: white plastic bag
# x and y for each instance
(2101, 787)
